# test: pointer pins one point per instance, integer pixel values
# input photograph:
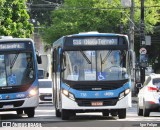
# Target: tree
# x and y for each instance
(40, 10)
(97, 15)
(14, 19)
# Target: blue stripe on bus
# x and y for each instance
(18, 95)
(97, 94)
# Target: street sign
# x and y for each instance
(126, 3)
(142, 51)
(148, 40)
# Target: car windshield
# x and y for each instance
(45, 83)
(16, 69)
(101, 65)
(156, 82)
(40, 74)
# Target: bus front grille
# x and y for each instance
(88, 102)
(14, 103)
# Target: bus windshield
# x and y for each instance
(16, 69)
(100, 65)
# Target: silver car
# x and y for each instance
(45, 90)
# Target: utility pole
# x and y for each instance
(132, 25)
(131, 38)
(143, 51)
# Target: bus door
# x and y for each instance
(56, 75)
(131, 68)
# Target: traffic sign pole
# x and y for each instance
(142, 42)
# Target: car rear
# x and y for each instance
(45, 90)
(153, 96)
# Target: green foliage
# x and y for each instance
(14, 19)
(96, 15)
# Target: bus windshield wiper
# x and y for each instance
(105, 58)
(89, 62)
(14, 60)
(101, 61)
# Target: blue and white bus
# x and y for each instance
(18, 76)
(92, 73)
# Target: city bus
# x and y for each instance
(92, 73)
(18, 76)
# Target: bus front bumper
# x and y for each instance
(73, 105)
(9, 105)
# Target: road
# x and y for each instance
(45, 114)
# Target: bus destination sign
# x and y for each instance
(95, 41)
(12, 46)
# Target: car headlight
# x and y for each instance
(33, 92)
(68, 94)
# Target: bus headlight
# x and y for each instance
(124, 93)
(65, 92)
(71, 96)
(33, 92)
(121, 95)
(68, 94)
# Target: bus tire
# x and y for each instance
(105, 113)
(19, 112)
(30, 112)
(114, 112)
(58, 113)
(122, 113)
(65, 114)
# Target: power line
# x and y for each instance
(53, 5)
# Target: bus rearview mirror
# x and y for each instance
(39, 59)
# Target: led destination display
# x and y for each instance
(12, 46)
(96, 41)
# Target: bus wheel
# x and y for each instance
(58, 113)
(105, 113)
(30, 112)
(66, 114)
(19, 112)
(122, 113)
(114, 113)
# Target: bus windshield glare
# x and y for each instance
(99, 65)
(16, 69)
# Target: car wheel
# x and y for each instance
(146, 112)
(139, 111)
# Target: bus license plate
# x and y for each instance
(97, 103)
(7, 106)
